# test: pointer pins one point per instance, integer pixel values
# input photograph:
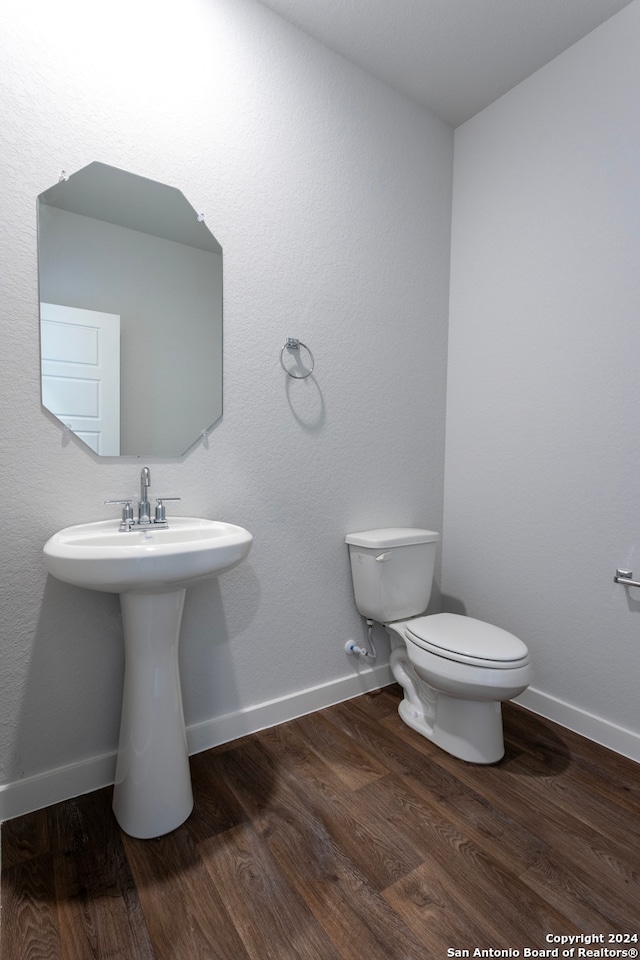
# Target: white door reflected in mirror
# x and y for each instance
(81, 373)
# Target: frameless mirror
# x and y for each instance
(130, 313)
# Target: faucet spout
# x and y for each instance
(145, 481)
(144, 507)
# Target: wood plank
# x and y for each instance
(270, 917)
(29, 928)
(553, 808)
(584, 899)
(535, 732)
(25, 837)
(380, 851)
(98, 905)
(302, 843)
(433, 909)
(351, 763)
(552, 744)
(415, 760)
(183, 912)
(476, 878)
(216, 809)
(522, 785)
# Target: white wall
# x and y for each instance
(542, 457)
(330, 195)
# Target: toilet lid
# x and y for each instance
(463, 638)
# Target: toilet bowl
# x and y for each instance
(455, 671)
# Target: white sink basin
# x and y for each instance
(146, 559)
(151, 568)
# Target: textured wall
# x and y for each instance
(542, 470)
(330, 195)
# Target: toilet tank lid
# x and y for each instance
(386, 537)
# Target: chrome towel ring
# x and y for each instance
(293, 344)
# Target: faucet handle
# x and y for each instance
(161, 515)
(127, 512)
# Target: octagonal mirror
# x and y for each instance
(130, 313)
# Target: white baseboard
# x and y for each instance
(211, 733)
(580, 721)
(33, 793)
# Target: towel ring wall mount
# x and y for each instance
(292, 343)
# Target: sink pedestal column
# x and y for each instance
(152, 793)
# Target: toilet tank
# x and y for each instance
(392, 571)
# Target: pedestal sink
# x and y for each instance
(151, 568)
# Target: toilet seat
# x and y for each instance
(466, 640)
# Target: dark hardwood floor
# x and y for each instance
(342, 835)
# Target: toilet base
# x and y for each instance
(468, 729)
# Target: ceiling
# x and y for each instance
(453, 57)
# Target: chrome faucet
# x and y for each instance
(144, 507)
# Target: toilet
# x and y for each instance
(455, 671)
